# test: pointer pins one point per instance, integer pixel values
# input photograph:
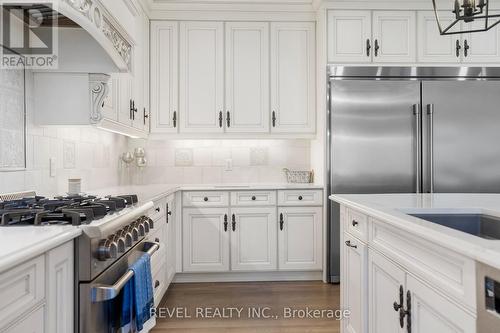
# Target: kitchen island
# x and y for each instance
(400, 272)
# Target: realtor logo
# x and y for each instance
(29, 36)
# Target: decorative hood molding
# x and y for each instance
(92, 16)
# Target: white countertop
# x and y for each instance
(18, 244)
(391, 207)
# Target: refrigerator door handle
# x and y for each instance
(430, 114)
(418, 130)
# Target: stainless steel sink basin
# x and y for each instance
(480, 225)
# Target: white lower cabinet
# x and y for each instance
(205, 240)
(354, 294)
(37, 296)
(299, 238)
(386, 282)
(171, 239)
(398, 296)
(253, 239)
(245, 231)
(432, 312)
(60, 277)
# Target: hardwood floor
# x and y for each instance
(235, 301)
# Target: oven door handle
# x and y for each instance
(101, 293)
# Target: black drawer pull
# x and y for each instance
(253, 197)
(157, 284)
(300, 197)
(205, 199)
(157, 209)
(354, 223)
(348, 243)
(157, 240)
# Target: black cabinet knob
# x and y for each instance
(157, 240)
(300, 197)
(157, 209)
(354, 223)
(253, 197)
(157, 284)
(205, 199)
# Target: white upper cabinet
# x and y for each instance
(481, 47)
(394, 36)
(432, 47)
(349, 36)
(293, 77)
(247, 77)
(164, 76)
(201, 76)
(253, 239)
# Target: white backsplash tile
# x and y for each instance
(85, 152)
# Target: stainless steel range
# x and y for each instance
(114, 230)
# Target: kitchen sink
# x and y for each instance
(481, 225)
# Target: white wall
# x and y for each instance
(84, 152)
(203, 161)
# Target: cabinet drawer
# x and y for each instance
(253, 198)
(300, 197)
(446, 270)
(21, 288)
(205, 199)
(357, 224)
(159, 210)
(32, 323)
(158, 234)
(158, 259)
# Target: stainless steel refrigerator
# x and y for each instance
(411, 129)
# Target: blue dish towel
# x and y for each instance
(142, 290)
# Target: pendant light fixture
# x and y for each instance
(465, 13)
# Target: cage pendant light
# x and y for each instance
(469, 16)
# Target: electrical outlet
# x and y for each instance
(229, 165)
(52, 167)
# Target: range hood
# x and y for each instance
(89, 38)
(91, 46)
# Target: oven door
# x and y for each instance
(96, 297)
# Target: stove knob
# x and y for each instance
(107, 249)
(146, 226)
(134, 232)
(142, 229)
(121, 244)
(128, 238)
(151, 223)
(119, 241)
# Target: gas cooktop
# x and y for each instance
(63, 210)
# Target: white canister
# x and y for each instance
(74, 186)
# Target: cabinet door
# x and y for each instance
(164, 76)
(253, 239)
(299, 238)
(349, 36)
(292, 77)
(124, 82)
(432, 312)
(247, 77)
(140, 86)
(483, 47)
(432, 47)
(170, 239)
(354, 285)
(201, 76)
(394, 36)
(385, 281)
(60, 289)
(205, 240)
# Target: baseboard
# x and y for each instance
(248, 276)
